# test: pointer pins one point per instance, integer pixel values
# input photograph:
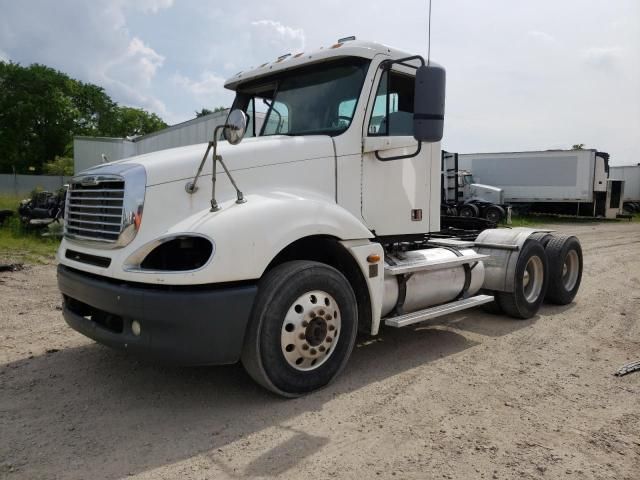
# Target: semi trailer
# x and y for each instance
(277, 250)
(571, 182)
(462, 196)
(630, 175)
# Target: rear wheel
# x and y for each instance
(494, 213)
(530, 283)
(565, 269)
(302, 329)
(469, 210)
(541, 237)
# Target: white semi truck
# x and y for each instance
(276, 251)
(462, 196)
(571, 182)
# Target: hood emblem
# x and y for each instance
(89, 181)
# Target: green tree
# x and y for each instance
(206, 111)
(59, 166)
(578, 146)
(42, 109)
(131, 122)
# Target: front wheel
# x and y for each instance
(530, 283)
(302, 330)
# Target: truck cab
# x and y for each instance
(278, 248)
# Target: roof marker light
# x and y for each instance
(282, 57)
(347, 39)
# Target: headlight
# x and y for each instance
(175, 253)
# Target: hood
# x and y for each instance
(486, 188)
(182, 163)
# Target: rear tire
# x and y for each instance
(494, 213)
(530, 283)
(541, 237)
(302, 329)
(492, 307)
(469, 210)
(565, 269)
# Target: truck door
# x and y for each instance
(396, 192)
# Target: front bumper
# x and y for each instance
(182, 325)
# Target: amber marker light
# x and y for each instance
(373, 258)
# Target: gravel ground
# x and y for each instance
(473, 396)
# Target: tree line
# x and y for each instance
(42, 109)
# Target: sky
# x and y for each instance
(532, 75)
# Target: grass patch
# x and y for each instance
(23, 245)
(534, 220)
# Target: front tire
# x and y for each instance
(302, 329)
(530, 283)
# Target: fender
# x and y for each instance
(248, 236)
(503, 247)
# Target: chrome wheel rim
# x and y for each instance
(532, 279)
(570, 269)
(310, 330)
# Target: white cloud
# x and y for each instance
(137, 64)
(542, 37)
(208, 90)
(148, 6)
(602, 57)
(3, 57)
(90, 41)
(270, 39)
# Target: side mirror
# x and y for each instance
(428, 107)
(235, 127)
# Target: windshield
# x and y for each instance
(468, 179)
(314, 100)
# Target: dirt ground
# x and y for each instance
(472, 396)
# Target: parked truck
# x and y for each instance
(630, 175)
(462, 196)
(277, 250)
(570, 182)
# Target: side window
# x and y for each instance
(278, 120)
(393, 108)
(346, 109)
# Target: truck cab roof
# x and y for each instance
(340, 49)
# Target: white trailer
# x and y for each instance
(571, 182)
(630, 175)
(276, 251)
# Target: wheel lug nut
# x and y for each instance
(321, 348)
(329, 339)
(312, 351)
(328, 317)
(312, 314)
(331, 327)
(305, 324)
(321, 312)
(301, 336)
(305, 347)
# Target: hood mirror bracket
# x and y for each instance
(235, 128)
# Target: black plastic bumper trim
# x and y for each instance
(184, 327)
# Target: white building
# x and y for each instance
(91, 151)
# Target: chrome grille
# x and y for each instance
(95, 208)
